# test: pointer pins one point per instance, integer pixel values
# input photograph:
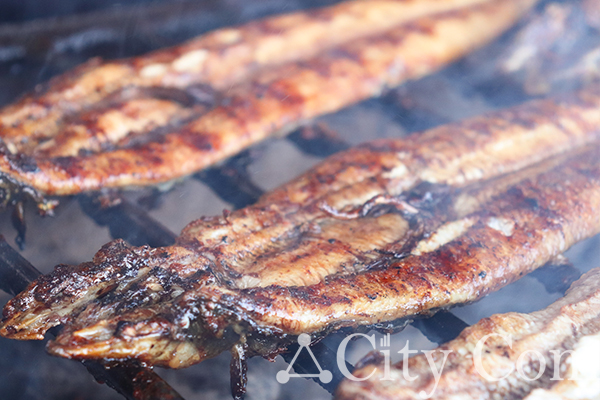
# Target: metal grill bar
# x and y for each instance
(441, 327)
(318, 140)
(231, 181)
(127, 221)
(17, 218)
(557, 276)
(15, 271)
(327, 358)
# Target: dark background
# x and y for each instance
(25, 10)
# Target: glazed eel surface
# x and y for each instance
(382, 232)
(160, 117)
(501, 356)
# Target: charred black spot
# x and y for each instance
(382, 209)
(22, 163)
(325, 179)
(120, 326)
(427, 195)
(104, 291)
(10, 329)
(532, 203)
(65, 163)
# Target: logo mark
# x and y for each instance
(324, 375)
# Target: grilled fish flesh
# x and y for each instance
(220, 58)
(483, 362)
(59, 144)
(582, 373)
(379, 233)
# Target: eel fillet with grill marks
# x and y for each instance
(144, 134)
(381, 232)
(219, 58)
(571, 323)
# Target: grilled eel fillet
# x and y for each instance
(582, 373)
(560, 327)
(381, 232)
(220, 58)
(143, 137)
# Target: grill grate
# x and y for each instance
(453, 94)
(132, 223)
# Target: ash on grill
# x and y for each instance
(553, 50)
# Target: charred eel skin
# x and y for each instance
(167, 115)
